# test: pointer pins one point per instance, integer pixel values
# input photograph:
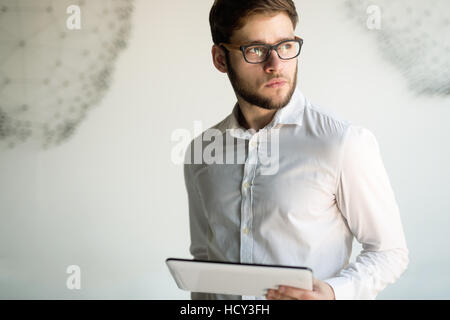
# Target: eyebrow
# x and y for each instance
(249, 42)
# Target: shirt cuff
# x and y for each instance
(342, 287)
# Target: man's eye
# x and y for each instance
(286, 46)
(256, 50)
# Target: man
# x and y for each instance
(329, 185)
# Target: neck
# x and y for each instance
(253, 117)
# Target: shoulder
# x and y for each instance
(359, 141)
(193, 157)
(324, 124)
(322, 121)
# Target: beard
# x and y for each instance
(252, 96)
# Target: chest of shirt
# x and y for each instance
(302, 181)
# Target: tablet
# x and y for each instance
(236, 278)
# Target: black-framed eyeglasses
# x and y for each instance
(259, 53)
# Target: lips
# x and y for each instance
(275, 83)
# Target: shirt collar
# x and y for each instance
(292, 113)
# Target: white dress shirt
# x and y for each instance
(330, 186)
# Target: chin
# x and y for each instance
(277, 93)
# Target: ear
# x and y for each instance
(219, 60)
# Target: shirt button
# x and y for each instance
(246, 231)
(253, 144)
(246, 185)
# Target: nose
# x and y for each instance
(273, 64)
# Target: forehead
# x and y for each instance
(265, 28)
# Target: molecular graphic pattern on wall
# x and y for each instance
(56, 62)
(413, 35)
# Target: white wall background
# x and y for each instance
(111, 201)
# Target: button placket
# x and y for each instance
(246, 252)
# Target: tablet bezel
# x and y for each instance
(240, 263)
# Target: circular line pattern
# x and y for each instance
(51, 76)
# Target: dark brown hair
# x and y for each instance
(227, 16)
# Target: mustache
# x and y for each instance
(279, 77)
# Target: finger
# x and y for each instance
(296, 293)
(284, 297)
(316, 284)
(269, 294)
(276, 295)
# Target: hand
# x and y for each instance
(321, 291)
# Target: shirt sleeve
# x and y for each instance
(198, 223)
(367, 202)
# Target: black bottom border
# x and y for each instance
(230, 309)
